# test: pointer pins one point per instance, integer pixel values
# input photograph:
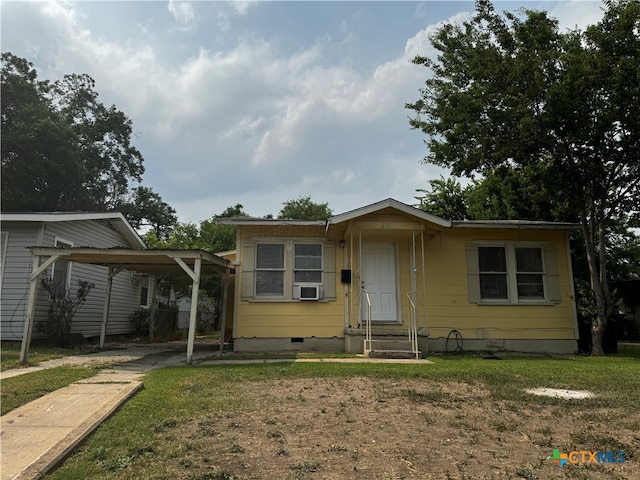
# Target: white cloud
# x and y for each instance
(183, 11)
(255, 125)
(241, 7)
(576, 13)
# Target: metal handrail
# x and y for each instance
(367, 341)
(413, 326)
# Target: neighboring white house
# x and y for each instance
(96, 230)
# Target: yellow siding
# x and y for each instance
(447, 306)
(443, 302)
(290, 319)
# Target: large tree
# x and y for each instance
(302, 208)
(513, 91)
(445, 198)
(63, 149)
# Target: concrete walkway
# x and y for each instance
(38, 436)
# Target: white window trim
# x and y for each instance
(291, 288)
(512, 280)
(293, 266)
(286, 246)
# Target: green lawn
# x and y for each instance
(136, 442)
(17, 391)
(38, 352)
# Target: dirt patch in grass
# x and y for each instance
(363, 428)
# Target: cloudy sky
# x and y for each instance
(258, 102)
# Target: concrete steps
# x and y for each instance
(390, 348)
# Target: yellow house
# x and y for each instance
(388, 279)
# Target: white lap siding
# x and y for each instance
(125, 297)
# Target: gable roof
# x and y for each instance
(388, 203)
(406, 209)
(116, 219)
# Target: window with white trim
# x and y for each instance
(270, 269)
(492, 267)
(276, 269)
(529, 273)
(307, 263)
(512, 273)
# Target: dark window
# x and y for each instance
(270, 269)
(492, 262)
(529, 273)
(307, 264)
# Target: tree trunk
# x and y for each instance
(599, 285)
(597, 333)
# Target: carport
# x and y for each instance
(193, 262)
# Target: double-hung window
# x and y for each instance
(270, 270)
(282, 269)
(492, 266)
(512, 273)
(307, 263)
(529, 273)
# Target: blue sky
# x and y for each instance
(259, 102)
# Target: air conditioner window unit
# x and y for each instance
(309, 292)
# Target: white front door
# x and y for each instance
(379, 279)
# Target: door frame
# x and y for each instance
(396, 271)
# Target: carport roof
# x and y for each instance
(147, 261)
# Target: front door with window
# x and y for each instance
(379, 279)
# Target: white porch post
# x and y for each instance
(194, 309)
(107, 303)
(31, 303)
(223, 310)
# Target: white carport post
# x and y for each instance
(195, 276)
(223, 310)
(31, 303)
(113, 271)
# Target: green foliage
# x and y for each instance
(140, 319)
(145, 208)
(17, 391)
(302, 208)
(40, 351)
(62, 309)
(511, 94)
(62, 149)
(208, 235)
(446, 198)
